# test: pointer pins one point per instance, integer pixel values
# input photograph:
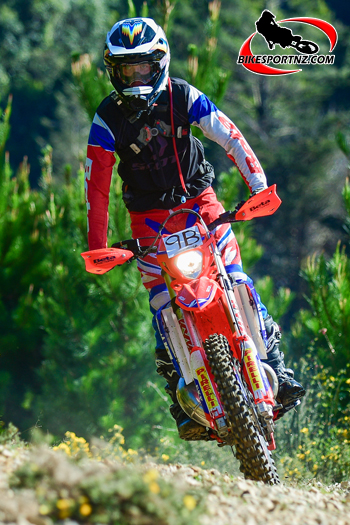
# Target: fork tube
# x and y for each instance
(185, 320)
(168, 280)
(230, 305)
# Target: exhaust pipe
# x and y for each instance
(189, 401)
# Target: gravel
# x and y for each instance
(238, 501)
(221, 498)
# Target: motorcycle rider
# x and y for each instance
(146, 122)
(273, 33)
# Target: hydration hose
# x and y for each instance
(183, 199)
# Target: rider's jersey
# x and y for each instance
(148, 165)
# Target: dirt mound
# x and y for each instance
(42, 486)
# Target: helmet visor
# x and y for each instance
(139, 74)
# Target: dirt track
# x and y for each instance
(49, 479)
(238, 501)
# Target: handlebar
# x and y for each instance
(134, 246)
(100, 261)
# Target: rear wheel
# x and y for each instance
(306, 46)
(251, 448)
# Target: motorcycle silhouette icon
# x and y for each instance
(274, 34)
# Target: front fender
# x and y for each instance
(196, 295)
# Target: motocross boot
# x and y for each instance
(289, 390)
(188, 429)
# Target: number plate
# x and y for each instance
(182, 241)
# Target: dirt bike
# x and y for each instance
(214, 333)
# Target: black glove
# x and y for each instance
(255, 192)
(239, 206)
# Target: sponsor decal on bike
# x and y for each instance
(274, 34)
(261, 205)
(104, 259)
(185, 333)
(238, 318)
(199, 302)
(207, 388)
(254, 374)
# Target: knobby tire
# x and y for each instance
(255, 459)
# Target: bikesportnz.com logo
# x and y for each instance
(286, 59)
(274, 34)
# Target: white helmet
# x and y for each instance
(137, 58)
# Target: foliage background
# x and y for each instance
(75, 349)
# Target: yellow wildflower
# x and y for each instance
(189, 502)
(154, 487)
(64, 507)
(44, 510)
(63, 504)
(85, 509)
(64, 447)
(304, 430)
(151, 475)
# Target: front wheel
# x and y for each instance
(251, 449)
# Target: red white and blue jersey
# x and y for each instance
(219, 128)
(148, 164)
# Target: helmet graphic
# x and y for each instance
(137, 59)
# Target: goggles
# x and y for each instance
(139, 74)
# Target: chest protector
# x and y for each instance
(145, 146)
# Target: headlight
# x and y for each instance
(190, 264)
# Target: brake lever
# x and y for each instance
(134, 246)
(228, 216)
(130, 244)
